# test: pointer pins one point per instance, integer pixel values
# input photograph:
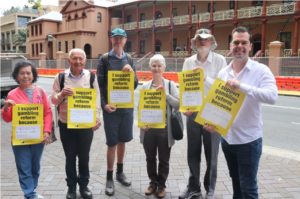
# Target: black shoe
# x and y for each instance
(122, 179)
(188, 194)
(110, 188)
(71, 194)
(86, 193)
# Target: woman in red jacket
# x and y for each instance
(28, 157)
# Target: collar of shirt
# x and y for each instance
(112, 53)
(69, 74)
(246, 67)
(208, 60)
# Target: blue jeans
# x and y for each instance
(243, 161)
(28, 160)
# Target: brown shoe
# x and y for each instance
(150, 189)
(161, 192)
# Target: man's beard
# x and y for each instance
(203, 49)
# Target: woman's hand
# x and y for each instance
(98, 124)
(47, 138)
(188, 113)
(8, 103)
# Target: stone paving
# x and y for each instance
(279, 173)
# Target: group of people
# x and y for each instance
(242, 146)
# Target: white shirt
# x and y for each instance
(259, 85)
(212, 65)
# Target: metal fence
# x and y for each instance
(288, 66)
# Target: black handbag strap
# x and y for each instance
(170, 93)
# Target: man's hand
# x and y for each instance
(127, 68)
(110, 108)
(233, 83)
(200, 67)
(98, 124)
(66, 92)
(188, 113)
(209, 127)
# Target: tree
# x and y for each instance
(11, 11)
(19, 39)
(36, 4)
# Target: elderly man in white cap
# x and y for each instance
(204, 43)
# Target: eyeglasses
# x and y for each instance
(201, 31)
(236, 43)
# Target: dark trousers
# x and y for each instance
(76, 143)
(243, 161)
(156, 140)
(196, 135)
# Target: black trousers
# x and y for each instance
(76, 143)
(156, 140)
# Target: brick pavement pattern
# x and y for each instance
(279, 176)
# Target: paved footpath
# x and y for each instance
(279, 173)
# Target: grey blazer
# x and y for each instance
(172, 99)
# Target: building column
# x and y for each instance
(138, 29)
(11, 40)
(123, 16)
(296, 36)
(189, 41)
(153, 27)
(275, 52)
(109, 29)
(296, 29)
(235, 17)
(171, 35)
(211, 18)
(263, 36)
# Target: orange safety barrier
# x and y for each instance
(288, 83)
(283, 83)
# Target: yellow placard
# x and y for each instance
(152, 109)
(27, 124)
(220, 107)
(82, 108)
(191, 90)
(121, 89)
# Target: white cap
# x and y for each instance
(204, 34)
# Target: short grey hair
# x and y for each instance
(72, 51)
(157, 58)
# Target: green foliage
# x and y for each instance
(19, 38)
(36, 4)
(12, 10)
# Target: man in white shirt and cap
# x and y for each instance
(204, 43)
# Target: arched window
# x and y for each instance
(69, 17)
(158, 15)
(83, 15)
(76, 16)
(99, 17)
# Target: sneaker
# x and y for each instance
(161, 192)
(110, 188)
(150, 189)
(123, 179)
(38, 196)
(209, 196)
(85, 193)
(188, 194)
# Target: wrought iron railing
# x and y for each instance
(223, 15)
(281, 9)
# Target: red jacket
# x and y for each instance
(39, 97)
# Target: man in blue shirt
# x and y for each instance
(117, 122)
